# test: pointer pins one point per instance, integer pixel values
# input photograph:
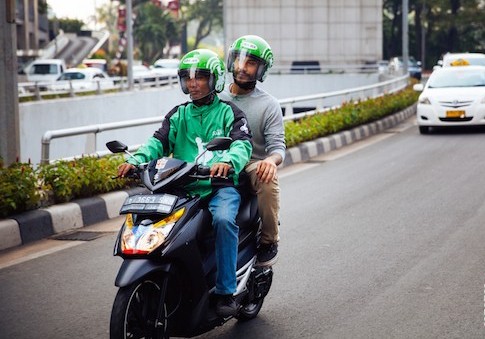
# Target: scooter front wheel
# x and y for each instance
(136, 313)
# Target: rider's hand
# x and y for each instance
(124, 169)
(220, 169)
(266, 170)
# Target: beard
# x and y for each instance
(246, 85)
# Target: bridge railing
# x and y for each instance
(92, 131)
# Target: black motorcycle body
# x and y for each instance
(167, 278)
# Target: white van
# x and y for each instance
(45, 70)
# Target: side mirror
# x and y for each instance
(116, 147)
(219, 144)
(418, 87)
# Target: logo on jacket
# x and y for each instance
(244, 127)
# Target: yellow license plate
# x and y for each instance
(455, 114)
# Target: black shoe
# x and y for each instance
(226, 305)
(267, 254)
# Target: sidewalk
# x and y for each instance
(38, 224)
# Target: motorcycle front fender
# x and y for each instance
(132, 270)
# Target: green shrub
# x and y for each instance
(349, 115)
(19, 190)
(81, 178)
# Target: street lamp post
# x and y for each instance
(129, 41)
(405, 43)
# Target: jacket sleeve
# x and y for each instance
(152, 149)
(241, 148)
(156, 146)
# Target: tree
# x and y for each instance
(107, 16)
(70, 25)
(450, 26)
(154, 28)
(208, 14)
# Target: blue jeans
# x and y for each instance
(224, 206)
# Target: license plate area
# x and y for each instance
(149, 203)
(455, 114)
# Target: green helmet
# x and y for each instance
(255, 47)
(202, 61)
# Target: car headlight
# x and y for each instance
(424, 101)
(146, 237)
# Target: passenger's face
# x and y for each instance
(198, 86)
(245, 69)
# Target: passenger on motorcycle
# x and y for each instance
(185, 131)
(248, 60)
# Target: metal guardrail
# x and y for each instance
(92, 130)
(39, 90)
(364, 92)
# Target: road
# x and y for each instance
(382, 239)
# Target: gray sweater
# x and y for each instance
(265, 120)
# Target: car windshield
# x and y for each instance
(461, 78)
(44, 69)
(72, 76)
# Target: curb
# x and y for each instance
(38, 224)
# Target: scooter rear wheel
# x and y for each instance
(136, 309)
(250, 310)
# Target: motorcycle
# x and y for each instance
(167, 278)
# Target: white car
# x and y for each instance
(142, 73)
(166, 67)
(453, 96)
(82, 79)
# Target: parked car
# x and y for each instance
(102, 64)
(414, 67)
(453, 96)
(45, 70)
(166, 67)
(82, 79)
(383, 66)
(142, 73)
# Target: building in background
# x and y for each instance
(32, 29)
(307, 31)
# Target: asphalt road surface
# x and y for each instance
(382, 239)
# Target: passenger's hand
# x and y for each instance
(220, 169)
(124, 169)
(266, 170)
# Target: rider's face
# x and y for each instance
(245, 69)
(198, 86)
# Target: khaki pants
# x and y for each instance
(268, 204)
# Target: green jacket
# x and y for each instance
(186, 130)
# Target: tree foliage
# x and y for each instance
(154, 28)
(446, 25)
(70, 25)
(208, 15)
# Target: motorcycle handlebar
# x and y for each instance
(203, 172)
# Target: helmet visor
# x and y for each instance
(196, 82)
(246, 67)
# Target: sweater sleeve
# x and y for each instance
(241, 148)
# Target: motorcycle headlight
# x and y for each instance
(147, 236)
